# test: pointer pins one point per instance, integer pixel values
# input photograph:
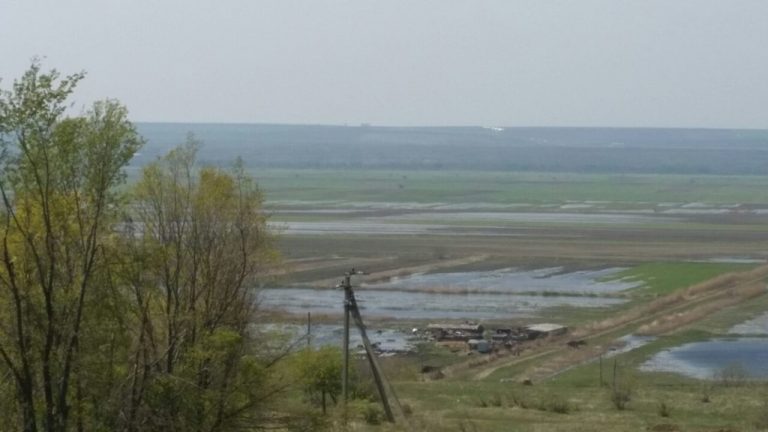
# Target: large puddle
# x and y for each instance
(422, 305)
(705, 360)
(546, 280)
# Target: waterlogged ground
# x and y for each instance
(512, 281)
(346, 221)
(387, 340)
(420, 305)
(707, 359)
(303, 218)
(500, 294)
(745, 348)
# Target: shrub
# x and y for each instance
(621, 397)
(372, 414)
(559, 405)
(731, 375)
(518, 401)
(664, 410)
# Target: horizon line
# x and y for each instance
(467, 126)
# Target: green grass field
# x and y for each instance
(664, 277)
(506, 187)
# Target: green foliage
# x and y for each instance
(558, 404)
(57, 179)
(123, 311)
(319, 372)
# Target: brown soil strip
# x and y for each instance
(403, 271)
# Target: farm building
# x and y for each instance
(545, 329)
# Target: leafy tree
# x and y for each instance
(199, 241)
(56, 183)
(320, 374)
(123, 311)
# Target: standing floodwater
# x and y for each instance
(708, 359)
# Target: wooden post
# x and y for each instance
(309, 329)
(601, 370)
(345, 366)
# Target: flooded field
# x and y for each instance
(386, 340)
(420, 305)
(545, 280)
(447, 223)
(535, 217)
(491, 209)
(499, 294)
(705, 360)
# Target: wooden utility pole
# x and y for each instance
(309, 329)
(346, 284)
(375, 368)
(352, 311)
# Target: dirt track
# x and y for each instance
(405, 270)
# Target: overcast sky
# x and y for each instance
(677, 63)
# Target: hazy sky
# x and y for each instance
(680, 63)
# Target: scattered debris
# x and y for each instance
(465, 331)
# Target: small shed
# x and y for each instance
(545, 329)
(480, 345)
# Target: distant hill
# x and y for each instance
(616, 150)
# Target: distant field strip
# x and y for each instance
(506, 187)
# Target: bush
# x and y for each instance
(518, 401)
(706, 394)
(372, 414)
(732, 375)
(621, 397)
(664, 410)
(559, 405)
(467, 426)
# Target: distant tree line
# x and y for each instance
(581, 150)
